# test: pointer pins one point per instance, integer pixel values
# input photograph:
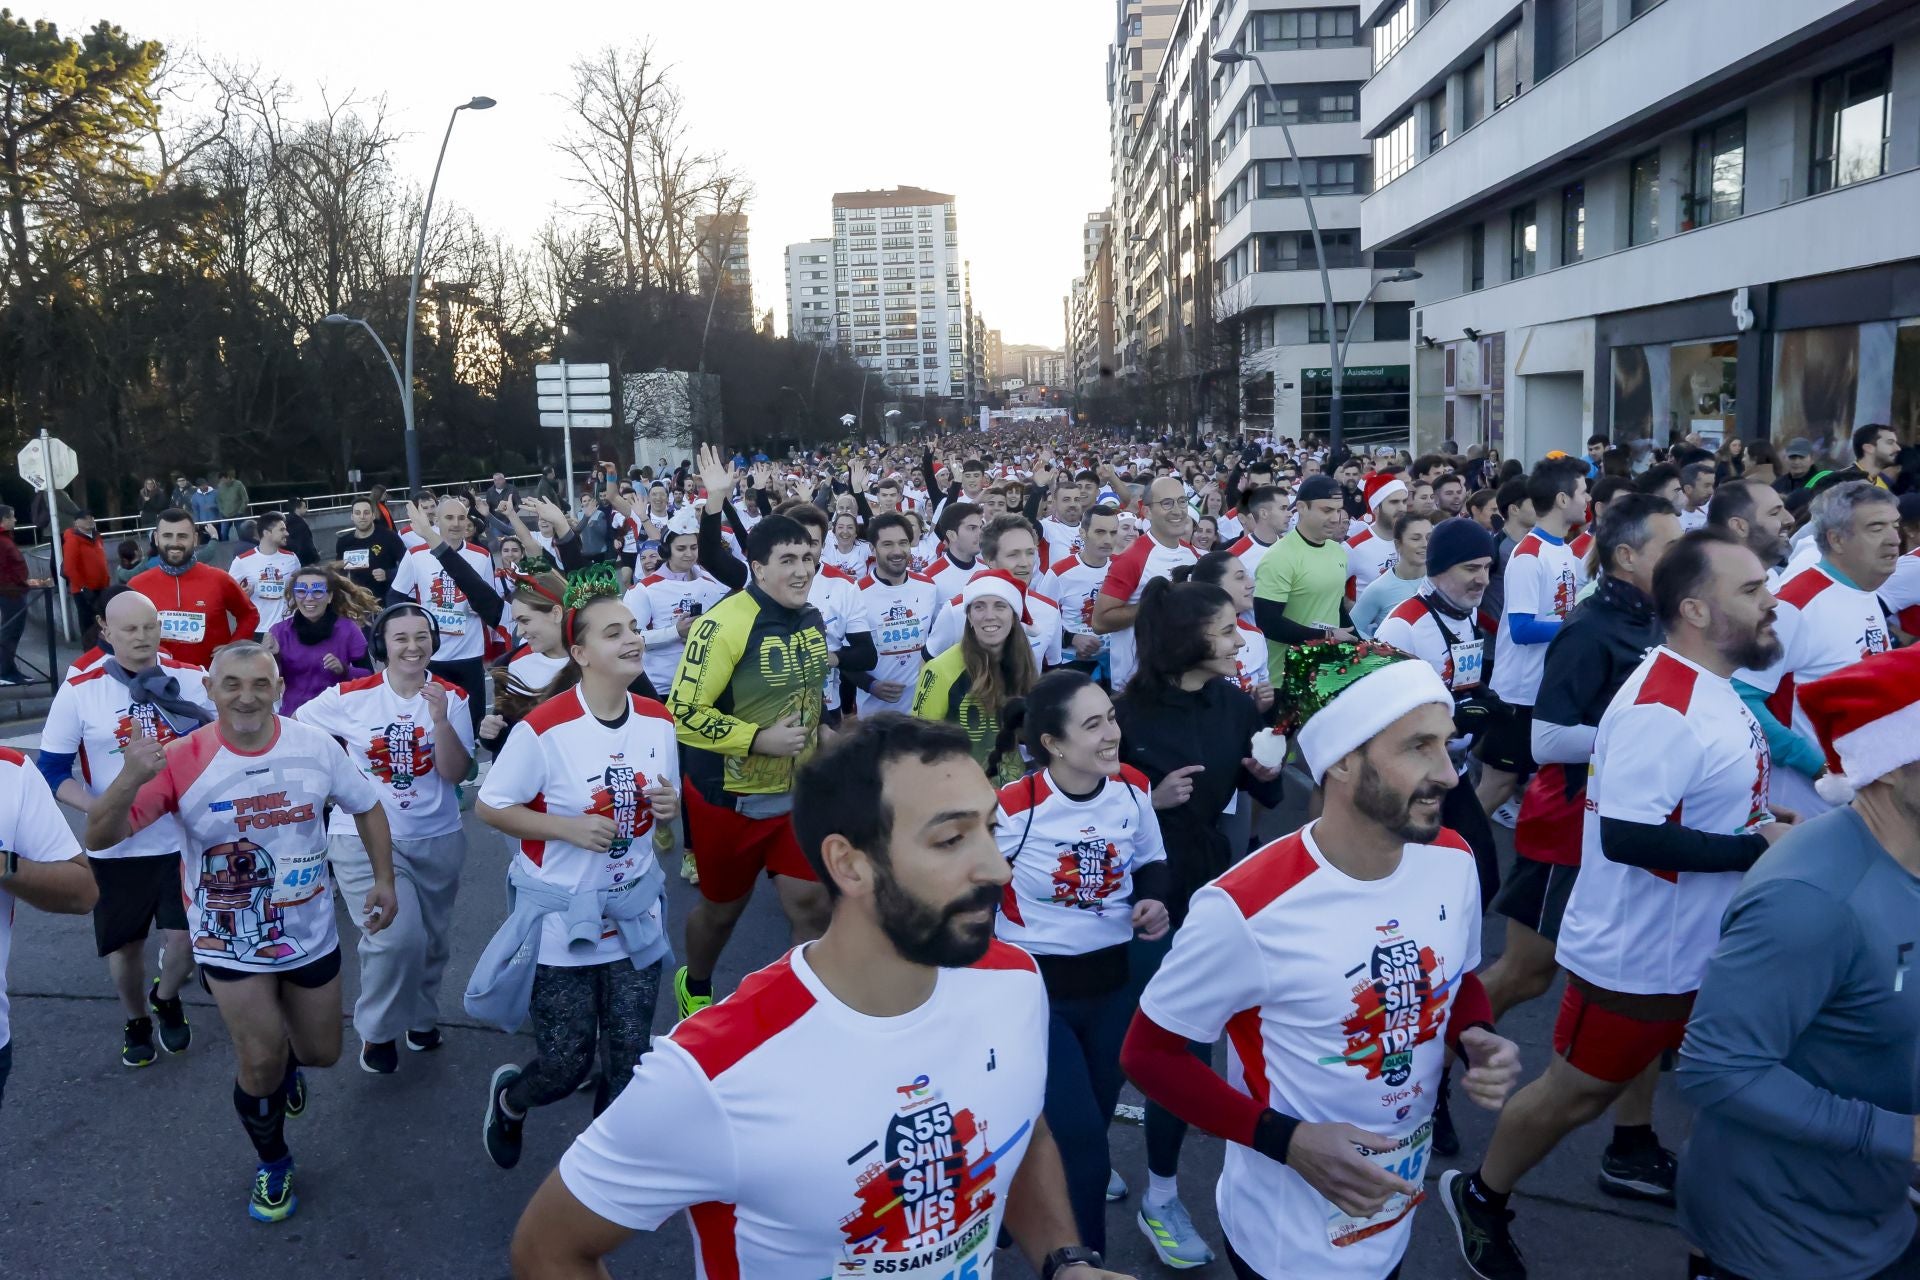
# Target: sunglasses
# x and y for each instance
(311, 590)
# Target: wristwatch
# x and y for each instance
(11, 864)
(1073, 1255)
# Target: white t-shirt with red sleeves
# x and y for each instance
(1334, 995)
(1676, 744)
(1078, 586)
(1058, 540)
(93, 717)
(658, 602)
(896, 1162)
(390, 739)
(1073, 861)
(902, 618)
(1251, 552)
(563, 760)
(842, 613)
(264, 577)
(254, 866)
(1457, 653)
(1250, 664)
(1043, 632)
(421, 576)
(1542, 579)
(854, 561)
(31, 826)
(1901, 592)
(950, 577)
(534, 671)
(1368, 556)
(1127, 577)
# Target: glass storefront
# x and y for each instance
(1664, 392)
(1830, 380)
(1374, 403)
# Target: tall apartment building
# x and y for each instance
(1141, 31)
(722, 254)
(1090, 316)
(810, 290)
(1267, 286)
(897, 289)
(1645, 219)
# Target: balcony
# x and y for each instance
(1267, 143)
(1281, 213)
(1292, 289)
(1437, 47)
(1647, 77)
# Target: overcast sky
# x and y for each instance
(1000, 102)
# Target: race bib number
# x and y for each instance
(358, 558)
(183, 625)
(1406, 1159)
(452, 622)
(272, 589)
(1468, 658)
(299, 877)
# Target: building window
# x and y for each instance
(1850, 124)
(1326, 176)
(1473, 93)
(1523, 241)
(1641, 6)
(1391, 30)
(1317, 320)
(1133, 25)
(1309, 104)
(1436, 122)
(1293, 250)
(1573, 223)
(1477, 256)
(1392, 321)
(1305, 29)
(1643, 199)
(1719, 172)
(1573, 28)
(1393, 150)
(1506, 66)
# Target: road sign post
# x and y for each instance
(50, 465)
(569, 396)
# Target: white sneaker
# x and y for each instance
(1507, 815)
(1116, 1186)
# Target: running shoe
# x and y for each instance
(1116, 1186)
(1484, 1234)
(136, 1045)
(296, 1096)
(1646, 1173)
(1446, 1139)
(501, 1132)
(688, 1003)
(1173, 1236)
(175, 1034)
(273, 1199)
(1507, 815)
(425, 1041)
(379, 1057)
(689, 869)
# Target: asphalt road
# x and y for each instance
(106, 1172)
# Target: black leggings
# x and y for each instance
(575, 1006)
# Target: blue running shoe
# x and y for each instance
(273, 1199)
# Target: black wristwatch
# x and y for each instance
(1074, 1255)
(11, 863)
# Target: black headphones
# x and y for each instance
(377, 634)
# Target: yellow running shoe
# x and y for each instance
(687, 1002)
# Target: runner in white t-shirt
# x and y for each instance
(251, 791)
(1338, 961)
(263, 572)
(1077, 581)
(902, 1159)
(1677, 809)
(452, 579)
(409, 733)
(900, 606)
(668, 601)
(41, 864)
(1153, 555)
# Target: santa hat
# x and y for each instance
(1867, 717)
(1380, 486)
(997, 584)
(1337, 697)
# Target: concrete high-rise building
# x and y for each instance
(1091, 318)
(897, 289)
(1646, 220)
(810, 290)
(1141, 31)
(722, 252)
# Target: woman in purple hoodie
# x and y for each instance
(322, 641)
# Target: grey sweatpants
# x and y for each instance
(401, 966)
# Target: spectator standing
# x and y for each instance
(500, 494)
(321, 641)
(128, 562)
(83, 563)
(181, 497)
(300, 533)
(205, 505)
(14, 583)
(548, 490)
(231, 496)
(153, 500)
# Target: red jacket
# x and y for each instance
(83, 561)
(195, 608)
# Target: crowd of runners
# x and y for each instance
(993, 718)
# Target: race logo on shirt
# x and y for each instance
(1565, 587)
(1087, 873)
(1873, 640)
(1396, 1007)
(238, 918)
(926, 1193)
(444, 593)
(620, 798)
(258, 813)
(142, 720)
(399, 754)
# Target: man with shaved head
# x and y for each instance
(452, 579)
(135, 690)
(1166, 546)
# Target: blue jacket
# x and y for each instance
(206, 506)
(501, 988)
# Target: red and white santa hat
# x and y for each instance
(997, 584)
(1380, 486)
(1867, 717)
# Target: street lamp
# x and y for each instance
(1399, 277)
(1228, 57)
(413, 292)
(398, 381)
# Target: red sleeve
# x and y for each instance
(246, 617)
(1158, 1061)
(1471, 1008)
(1123, 573)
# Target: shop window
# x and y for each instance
(1523, 241)
(1643, 199)
(1573, 223)
(1850, 124)
(1719, 172)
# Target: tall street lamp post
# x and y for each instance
(413, 293)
